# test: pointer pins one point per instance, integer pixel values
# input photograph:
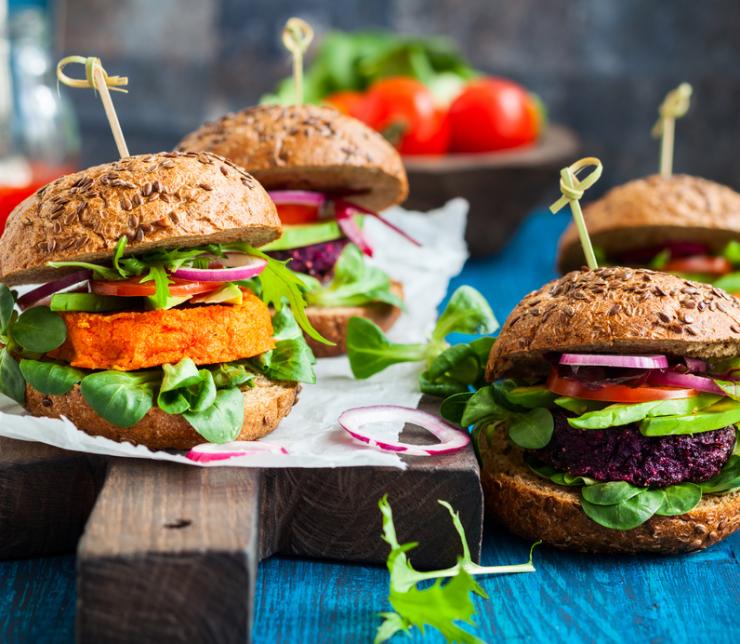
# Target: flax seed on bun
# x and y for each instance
(616, 310)
(307, 147)
(654, 210)
(170, 199)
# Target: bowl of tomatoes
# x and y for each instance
(461, 133)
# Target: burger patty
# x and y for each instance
(128, 341)
(624, 454)
(316, 260)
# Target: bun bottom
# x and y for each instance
(265, 405)
(535, 508)
(332, 322)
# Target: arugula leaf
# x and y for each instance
(660, 260)
(625, 414)
(118, 254)
(729, 282)
(223, 420)
(440, 606)
(732, 252)
(354, 283)
(7, 308)
(50, 378)
(122, 398)
(39, 330)
(185, 388)
(100, 272)
(466, 312)
(158, 275)
(370, 351)
(279, 283)
(12, 383)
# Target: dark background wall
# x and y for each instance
(602, 66)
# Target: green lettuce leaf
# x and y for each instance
(50, 378)
(122, 398)
(223, 420)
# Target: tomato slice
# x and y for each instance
(290, 213)
(133, 287)
(699, 264)
(614, 393)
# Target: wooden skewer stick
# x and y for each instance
(572, 189)
(674, 105)
(297, 36)
(97, 78)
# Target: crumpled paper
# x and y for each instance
(310, 434)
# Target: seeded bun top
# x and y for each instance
(307, 147)
(168, 199)
(616, 310)
(654, 210)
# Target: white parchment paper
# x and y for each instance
(310, 433)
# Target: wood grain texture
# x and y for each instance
(46, 495)
(169, 554)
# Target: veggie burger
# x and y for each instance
(680, 224)
(326, 172)
(611, 421)
(152, 324)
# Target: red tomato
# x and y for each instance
(297, 214)
(403, 110)
(614, 393)
(699, 264)
(346, 102)
(493, 114)
(133, 287)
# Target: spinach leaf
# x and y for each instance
(679, 499)
(39, 330)
(354, 283)
(369, 350)
(626, 414)
(453, 407)
(466, 312)
(579, 405)
(121, 398)
(231, 374)
(533, 429)
(626, 514)
(185, 388)
(704, 421)
(610, 493)
(50, 378)
(7, 308)
(12, 383)
(223, 420)
(726, 481)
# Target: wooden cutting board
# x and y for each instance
(170, 552)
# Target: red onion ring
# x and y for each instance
(354, 422)
(44, 291)
(606, 360)
(248, 269)
(342, 205)
(297, 197)
(674, 379)
(346, 221)
(696, 365)
(209, 452)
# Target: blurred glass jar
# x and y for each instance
(39, 139)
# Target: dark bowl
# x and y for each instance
(502, 187)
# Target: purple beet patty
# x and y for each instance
(623, 454)
(317, 259)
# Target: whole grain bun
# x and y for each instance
(616, 310)
(535, 508)
(265, 405)
(332, 322)
(168, 199)
(307, 147)
(650, 211)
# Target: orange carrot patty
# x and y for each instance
(128, 341)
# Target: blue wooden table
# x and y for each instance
(571, 598)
